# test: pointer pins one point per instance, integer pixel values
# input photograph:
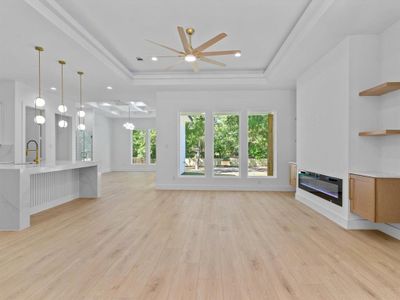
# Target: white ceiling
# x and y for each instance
(103, 38)
(257, 27)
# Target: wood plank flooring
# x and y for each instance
(138, 243)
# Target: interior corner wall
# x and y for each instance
(389, 116)
(102, 141)
(170, 104)
(121, 147)
(323, 125)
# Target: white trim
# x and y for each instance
(331, 215)
(54, 203)
(353, 224)
(307, 21)
(205, 187)
(60, 18)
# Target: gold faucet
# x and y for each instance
(37, 159)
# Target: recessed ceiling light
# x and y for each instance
(53, 88)
(154, 58)
(140, 103)
(109, 88)
(106, 104)
(190, 58)
(114, 112)
(238, 54)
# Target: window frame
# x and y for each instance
(275, 144)
(146, 145)
(237, 113)
(179, 143)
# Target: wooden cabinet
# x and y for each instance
(374, 198)
(293, 174)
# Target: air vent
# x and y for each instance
(138, 58)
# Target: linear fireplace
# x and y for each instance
(326, 187)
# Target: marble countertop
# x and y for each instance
(48, 167)
(375, 174)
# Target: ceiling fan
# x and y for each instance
(192, 55)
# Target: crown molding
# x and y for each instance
(54, 13)
(314, 11)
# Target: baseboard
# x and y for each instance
(202, 187)
(354, 224)
(338, 219)
(54, 203)
(131, 170)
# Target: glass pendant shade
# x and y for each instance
(81, 114)
(39, 119)
(129, 126)
(39, 102)
(81, 126)
(63, 124)
(62, 108)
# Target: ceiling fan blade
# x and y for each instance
(217, 53)
(211, 61)
(166, 47)
(173, 66)
(211, 42)
(184, 39)
(195, 66)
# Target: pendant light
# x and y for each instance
(62, 108)
(129, 125)
(39, 101)
(81, 112)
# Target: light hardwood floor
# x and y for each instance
(139, 243)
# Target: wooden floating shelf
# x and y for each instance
(381, 89)
(380, 132)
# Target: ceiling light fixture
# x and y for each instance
(109, 88)
(140, 104)
(129, 125)
(62, 108)
(53, 88)
(81, 112)
(238, 54)
(190, 58)
(114, 112)
(39, 101)
(154, 58)
(105, 104)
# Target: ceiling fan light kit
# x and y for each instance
(191, 54)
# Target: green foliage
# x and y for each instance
(153, 145)
(194, 131)
(258, 136)
(226, 136)
(139, 143)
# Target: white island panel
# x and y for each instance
(29, 189)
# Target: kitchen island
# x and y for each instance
(27, 189)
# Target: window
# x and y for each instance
(192, 145)
(226, 145)
(260, 145)
(138, 147)
(153, 146)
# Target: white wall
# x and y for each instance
(121, 159)
(7, 126)
(15, 97)
(64, 139)
(323, 122)
(102, 141)
(328, 101)
(389, 117)
(170, 104)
